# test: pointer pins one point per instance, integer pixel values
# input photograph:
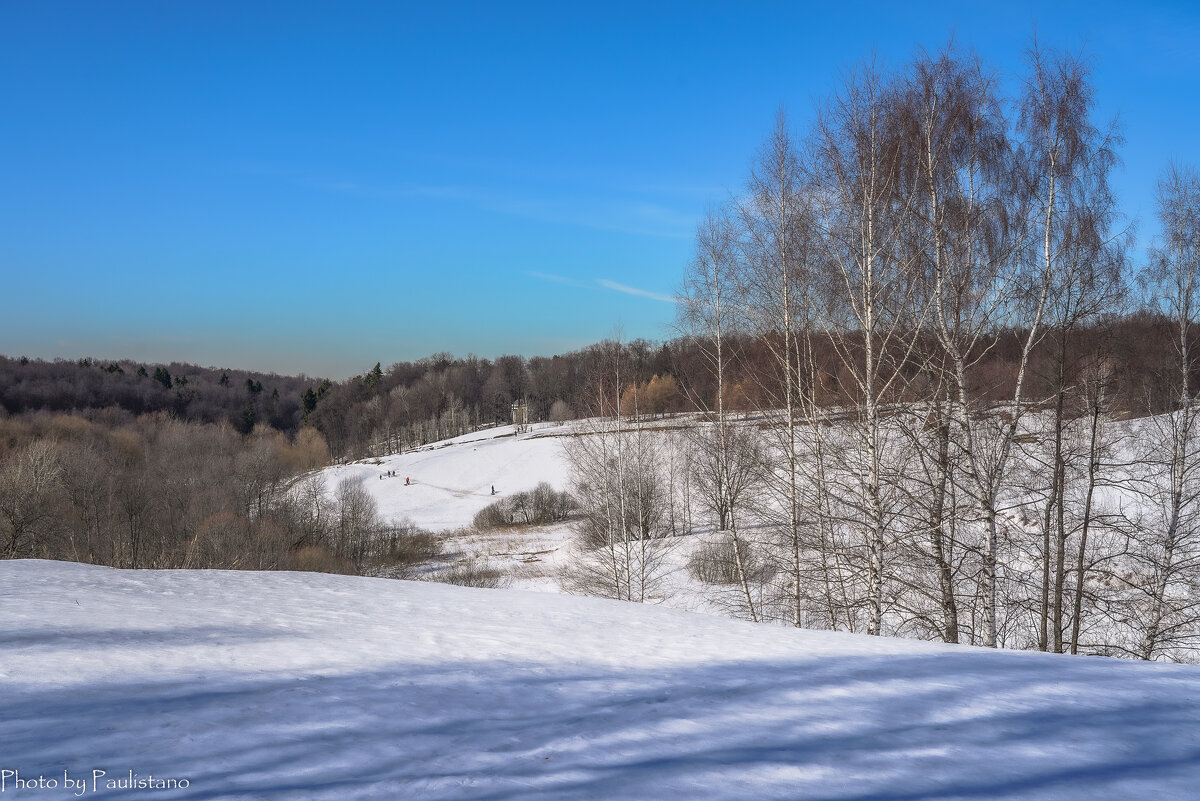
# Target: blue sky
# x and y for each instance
(314, 187)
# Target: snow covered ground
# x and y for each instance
(451, 480)
(308, 686)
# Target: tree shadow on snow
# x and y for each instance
(966, 725)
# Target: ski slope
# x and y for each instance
(452, 480)
(308, 686)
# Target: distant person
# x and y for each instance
(493, 489)
(406, 481)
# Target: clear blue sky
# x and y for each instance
(314, 187)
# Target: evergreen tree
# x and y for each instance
(308, 401)
(374, 376)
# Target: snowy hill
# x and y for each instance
(452, 479)
(307, 686)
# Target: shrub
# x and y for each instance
(318, 559)
(402, 551)
(471, 574)
(716, 563)
(495, 515)
(406, 546)
(541, 505)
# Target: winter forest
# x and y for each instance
(924, 383)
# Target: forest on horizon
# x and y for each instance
(415, 402)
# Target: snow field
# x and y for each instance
(285, 686)
(452, 479)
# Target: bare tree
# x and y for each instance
(728, 462)
(866, 309)
(617, 477)
(1169, 549)
(774, 246)
(961, 157)
(356, 525)
(1068, 159)
(29, 480)
(1003, 220)
(1096, 393)
(87, 487)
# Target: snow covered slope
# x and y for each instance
(453, 479)
(305, 686)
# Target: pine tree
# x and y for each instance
(374, 376)
(308, 402)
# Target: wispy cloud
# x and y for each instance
(601, 282)
(630, 290)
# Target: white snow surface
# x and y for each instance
(452, 480)
(309, 686)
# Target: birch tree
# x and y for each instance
(864, 312)
(728, 462)
(1069, 158)
(970, 229)
(1169, 550)
(617, 477)
(775, 240)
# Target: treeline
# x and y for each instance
(123, 390)
(1134, 344)
(413, 403)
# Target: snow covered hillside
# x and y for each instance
(453, 479)
(307, 686)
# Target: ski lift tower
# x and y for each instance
(520, 417)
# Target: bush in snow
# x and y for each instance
(470, 574)
(716, 563)
(542, 505)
